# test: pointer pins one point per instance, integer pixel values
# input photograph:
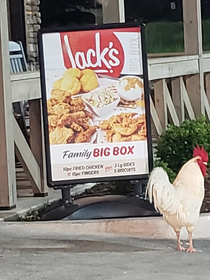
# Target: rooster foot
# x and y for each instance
(180, 248)
(192, 250)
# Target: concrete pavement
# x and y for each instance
(36, 251)
(112, 249)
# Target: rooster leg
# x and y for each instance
(179, 247)
(190, 249)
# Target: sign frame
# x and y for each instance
(59, 184)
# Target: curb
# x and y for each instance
(150, 227)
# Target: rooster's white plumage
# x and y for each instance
(180, 202)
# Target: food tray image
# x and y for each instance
(130, 88)
(102, 100)
(86, 108)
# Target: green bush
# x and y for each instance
(175, 145)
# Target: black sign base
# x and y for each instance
(57, 211)
(99, 207)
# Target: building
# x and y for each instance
(181, 81)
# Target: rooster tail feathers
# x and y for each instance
(162, 192)
(157, 177)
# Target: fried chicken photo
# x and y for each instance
(83, 122)
(74, 109)
(61, 109)
(61, 135)
(61, 96)
(77, 102)
(85, 136)
(80, 123)
(50, 105)
(125, 127)
(68, 121)
(53, 122)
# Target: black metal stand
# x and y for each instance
(138, 187)
(61, 208)
(95, 207)
(66, 194)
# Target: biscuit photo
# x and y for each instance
(72, 72)
(88, 72)
(57, 84)
(71, 84)
(89, 82)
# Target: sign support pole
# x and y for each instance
(66, 195)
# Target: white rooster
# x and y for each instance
(180, 202)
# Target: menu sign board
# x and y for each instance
(95, 104)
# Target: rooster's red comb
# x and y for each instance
(197, 151)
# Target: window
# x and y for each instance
(164, 23)
(63, 13)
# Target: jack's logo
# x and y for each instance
(98, 50)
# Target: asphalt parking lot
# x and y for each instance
(33, 251)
